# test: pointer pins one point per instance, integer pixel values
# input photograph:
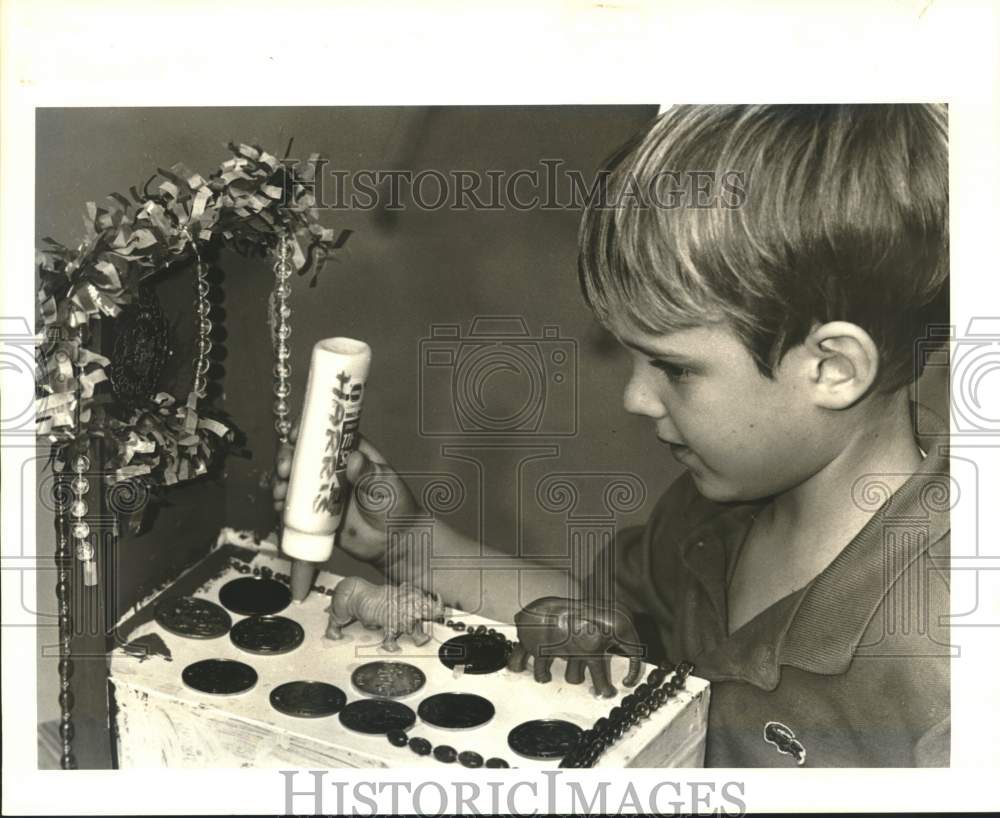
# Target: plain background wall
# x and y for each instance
(400, 274)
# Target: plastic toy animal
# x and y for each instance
(580, 632)
(399, 609)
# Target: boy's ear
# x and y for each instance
(843, 363)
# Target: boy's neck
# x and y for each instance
(819, 517)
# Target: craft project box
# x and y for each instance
(160, 722)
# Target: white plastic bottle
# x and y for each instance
(328, 432)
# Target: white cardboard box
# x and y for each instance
(160, 722)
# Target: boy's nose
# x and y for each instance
(640, 399)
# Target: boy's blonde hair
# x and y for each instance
(833, 212)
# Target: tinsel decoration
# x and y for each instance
(253, 204)
(250, 204)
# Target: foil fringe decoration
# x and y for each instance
(253, 203)
(250, 204)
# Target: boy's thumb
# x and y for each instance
(359, 466)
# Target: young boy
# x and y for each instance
(770, 270)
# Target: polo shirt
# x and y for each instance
(851, 670)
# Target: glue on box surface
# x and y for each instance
(160, 722)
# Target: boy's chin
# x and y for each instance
(718, 490)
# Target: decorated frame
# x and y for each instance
(255, 204)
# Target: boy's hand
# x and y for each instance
(362, 533)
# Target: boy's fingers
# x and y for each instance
(361, 462)
(279, 490)
(374, 482)
(283, 469)
(283, 461)
(369, 451)
(358, 465)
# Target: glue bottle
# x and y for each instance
(328, 432)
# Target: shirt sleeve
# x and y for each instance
(619, 568)
(907, 646)
(934, 747)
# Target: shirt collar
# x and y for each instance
(812, 629)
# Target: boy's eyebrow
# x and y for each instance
(653, 353)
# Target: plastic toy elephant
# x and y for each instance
(580, 632)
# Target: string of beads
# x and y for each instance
(64, 576)
(661, 685)
(282, 313)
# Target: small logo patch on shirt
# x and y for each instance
(784, 739)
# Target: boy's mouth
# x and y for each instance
(678, 450)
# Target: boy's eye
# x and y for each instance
(674, 372)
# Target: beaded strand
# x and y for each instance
(282, 329)
(643, 702)
(63, 560)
